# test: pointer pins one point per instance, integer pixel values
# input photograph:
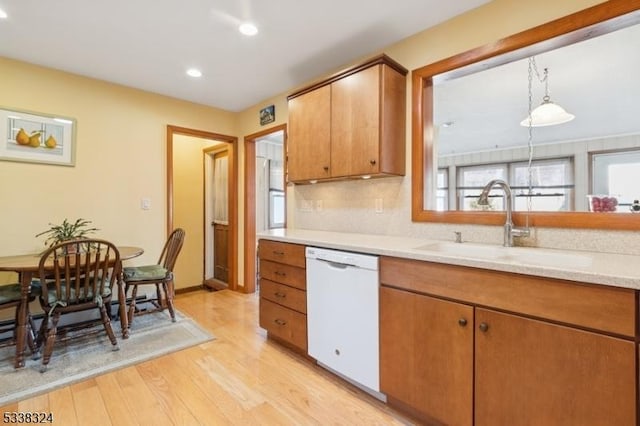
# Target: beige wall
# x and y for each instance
(120, 158)
(249, 123)
(491, 22)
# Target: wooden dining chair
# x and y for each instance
(10, 298)
(75, 276)
(159, 275)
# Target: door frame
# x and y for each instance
(232, 144)
(250, 252)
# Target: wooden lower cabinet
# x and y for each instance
(455, 364)
(286, 324)
(536, 373)
(283, 295)
(426, 355)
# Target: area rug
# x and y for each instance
(79, 356)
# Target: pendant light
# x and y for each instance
(547, 113)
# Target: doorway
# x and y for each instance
(216, 206)
(265, 192)
(188, 209)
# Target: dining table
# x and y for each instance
(27, 265)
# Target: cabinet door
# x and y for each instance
(355, 123)
(308, 144)
(530, 372)
(426, 355)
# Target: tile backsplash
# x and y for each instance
(383, 206)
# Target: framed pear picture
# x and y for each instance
(37, 138)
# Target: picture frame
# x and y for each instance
(34, 137)
(267, 115)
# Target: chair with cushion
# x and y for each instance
(160, 275)
(75, 276)
(10, 298)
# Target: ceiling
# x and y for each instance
(596, 80)
(149, 44)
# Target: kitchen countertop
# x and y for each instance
(610, 269)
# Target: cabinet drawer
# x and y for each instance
(284, 274)
(284, 295)
(284, 323)
(597, 307)
(290, 254)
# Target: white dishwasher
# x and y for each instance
(342, 314)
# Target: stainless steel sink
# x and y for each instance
(482, 251)
(523, 255)
(546, 258)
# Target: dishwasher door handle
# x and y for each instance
(336, 265)
(339, 265)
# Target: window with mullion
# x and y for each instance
(556, 194)
(471, 180)
(552, 185)
(617, 173)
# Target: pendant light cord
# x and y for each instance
(532, 67)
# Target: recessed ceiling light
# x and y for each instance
(248, 29)
(3, 14)
(193, 72)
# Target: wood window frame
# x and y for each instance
(591, 22)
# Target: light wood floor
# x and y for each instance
(240, 378)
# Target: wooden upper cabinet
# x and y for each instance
(355, 118)
(309, 139)
(364, 131)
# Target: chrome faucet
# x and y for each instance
(509, 230)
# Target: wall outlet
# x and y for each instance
(379, 205)
(145, 203)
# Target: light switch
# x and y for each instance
(319, 205)
(145, 203)
(306, 205)
(379, 206)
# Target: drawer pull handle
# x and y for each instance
(462, 322)
(280, 274)
(278, 253)
(280, 322)
(279, 295)
(484, 327)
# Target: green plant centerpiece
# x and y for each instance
(67, 231)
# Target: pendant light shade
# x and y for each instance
(547, 114)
